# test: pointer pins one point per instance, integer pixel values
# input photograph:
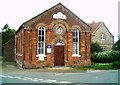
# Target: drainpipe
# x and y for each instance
(23, 48)
(15, 48)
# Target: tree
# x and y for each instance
(95, 47)
(7, 33)
(116, 46)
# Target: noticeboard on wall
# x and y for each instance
(49, 48)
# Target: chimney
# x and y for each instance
(93, 22)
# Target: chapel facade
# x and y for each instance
(56, 37)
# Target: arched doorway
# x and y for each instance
(59, 53)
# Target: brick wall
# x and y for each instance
(27, 40)
(8, 51)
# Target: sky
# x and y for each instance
(16, 12)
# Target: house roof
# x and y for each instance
(25, 24)
(96, 25)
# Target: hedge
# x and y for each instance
(105, 57)
(116, 64)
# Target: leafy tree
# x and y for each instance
(95, 47)
(116, 46)
(7, 33)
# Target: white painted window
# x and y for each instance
(75, 42)
(102, 36)
(41, 40)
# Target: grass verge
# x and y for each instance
(11, 67)
(96, 66)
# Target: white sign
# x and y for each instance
(41, 58)
(49, 48)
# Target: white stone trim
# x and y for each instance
(102, 39)
(40, 55)
(59, 15)
(76, 55)
(18, 54)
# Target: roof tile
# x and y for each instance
(94, 25)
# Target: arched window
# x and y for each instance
(41, 40)
(75, 42)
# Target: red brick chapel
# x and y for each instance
(56, 37)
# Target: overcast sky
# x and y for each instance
(16, 12)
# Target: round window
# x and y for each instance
(59, 30)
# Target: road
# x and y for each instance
(97, 76)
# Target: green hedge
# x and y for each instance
(116, 64)
(1, 58)
(105, 57)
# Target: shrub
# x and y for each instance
(95, 47)
(116, 64)
(1, 58)
(116, 46)
(105, 57)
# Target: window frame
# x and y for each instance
(41, 35)
(75, 42)
(102, 36)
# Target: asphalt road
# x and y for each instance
(97, 76)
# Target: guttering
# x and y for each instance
(22, 47)
(15, 49)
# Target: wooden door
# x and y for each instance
(59, 55)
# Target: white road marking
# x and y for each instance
(23, 79)
(2, 76)
(53, 80)
(64, 82)
(35, 79)
(40, 79)
(10, 77)
(28, 78)
(17, 77)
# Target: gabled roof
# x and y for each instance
(96, 25)
(25, 24)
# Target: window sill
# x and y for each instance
(102, 39)
(19, 54)
(76, 55)
(41, 55)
